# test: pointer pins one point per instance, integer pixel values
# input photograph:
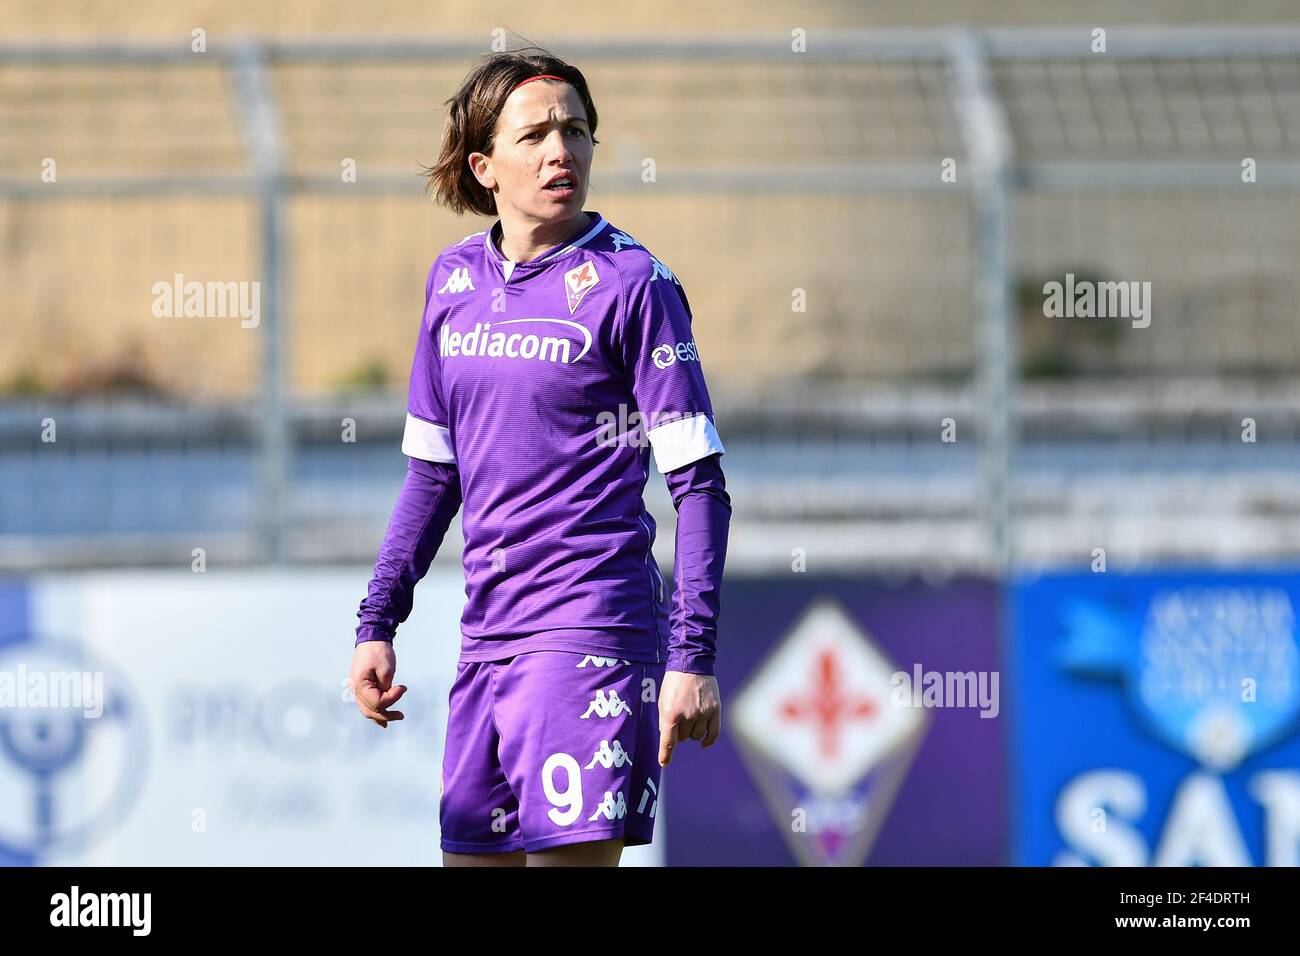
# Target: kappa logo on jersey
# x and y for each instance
(622, 239)
(611, 808)
(665, 355)
(607, 757)
(662, 270)
(578, 282)
(600, 661)
(458, 281)
(603, 706)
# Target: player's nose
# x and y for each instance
(558, 152)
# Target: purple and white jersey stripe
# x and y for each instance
(549, 384)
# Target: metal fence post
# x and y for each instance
(990, 149)
(261, 129)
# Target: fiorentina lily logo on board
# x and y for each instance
(826, 747)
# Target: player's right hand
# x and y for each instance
(373, 665)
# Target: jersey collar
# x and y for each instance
(489, 242)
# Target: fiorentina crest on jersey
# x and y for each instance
(578, 282)
(825, 746)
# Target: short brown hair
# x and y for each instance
(472, 115)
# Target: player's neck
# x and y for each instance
(541, 238)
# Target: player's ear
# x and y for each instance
(480, 165)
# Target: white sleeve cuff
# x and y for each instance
(426, 440)
(683, 441)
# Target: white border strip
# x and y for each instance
(427, 441)
(683, 441)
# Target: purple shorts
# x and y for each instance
(548, 748)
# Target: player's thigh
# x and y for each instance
(591, 853)
(515, 858)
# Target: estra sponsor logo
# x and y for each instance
(665, 355)
(547, 346)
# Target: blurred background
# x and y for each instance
(1091, 521)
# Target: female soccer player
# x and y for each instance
(555, 353)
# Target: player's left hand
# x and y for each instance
(690, 708)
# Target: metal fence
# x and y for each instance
(918, 188)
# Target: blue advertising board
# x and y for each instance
(1155, 719)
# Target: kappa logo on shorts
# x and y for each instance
(601, 661)
(617, 757)
(603, 706)
(611, 808)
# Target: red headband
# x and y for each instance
(544, 76)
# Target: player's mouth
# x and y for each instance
(562, 187)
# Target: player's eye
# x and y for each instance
(537, 133)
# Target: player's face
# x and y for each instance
(542, 131)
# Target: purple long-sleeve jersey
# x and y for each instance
(538, 392)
